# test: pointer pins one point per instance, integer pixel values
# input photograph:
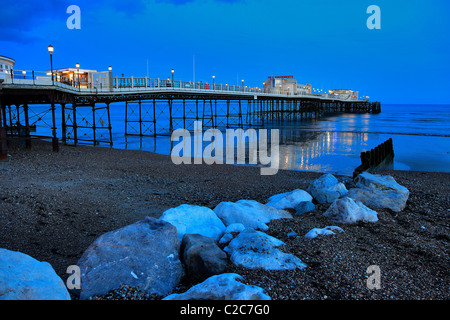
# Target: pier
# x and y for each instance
(153, 107)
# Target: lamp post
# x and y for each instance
(50, 50)
(78, 72)
(110, 78)
(214, 77)
(24, 73)
(172, 76)
(242, 84)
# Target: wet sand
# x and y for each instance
(54, 205)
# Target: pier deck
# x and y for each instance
(152, 109)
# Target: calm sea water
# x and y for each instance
(420, 133)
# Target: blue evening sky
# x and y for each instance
(323, 42)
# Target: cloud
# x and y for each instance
(19, 18)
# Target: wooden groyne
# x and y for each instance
(376, 157)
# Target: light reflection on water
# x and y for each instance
(421, 138)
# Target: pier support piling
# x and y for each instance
(55, 143)
(3, 143)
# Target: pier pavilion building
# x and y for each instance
(6, 66)
(285, 85)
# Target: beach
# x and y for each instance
(54, 205)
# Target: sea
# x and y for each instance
(334, 142)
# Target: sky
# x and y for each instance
(323, 42)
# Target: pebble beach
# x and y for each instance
(54, 205)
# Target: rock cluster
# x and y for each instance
(153, 255)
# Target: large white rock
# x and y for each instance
(25, 278)
(256, 250)
(379, 191)
(222, 287)
(250, 213)
(327, 188)
(346, 210)
(194, 219)
(289, 200)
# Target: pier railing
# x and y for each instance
(111, 84)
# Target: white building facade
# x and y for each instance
(6, 66)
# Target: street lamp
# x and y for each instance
(242, 84)
(172, 76)
(78, 72)
(214, 77)
(24, 73)
(50, 50)
(110, 82)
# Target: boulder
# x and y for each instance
(327, 188)
(304, 207)
(143, 255)
(250, 213)
(346, 210)
(256, 250)
(379, 192)
(289, 200)
(194, 219)
(202, 257)
(227, 286)
(25, 278)
(313, 233)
